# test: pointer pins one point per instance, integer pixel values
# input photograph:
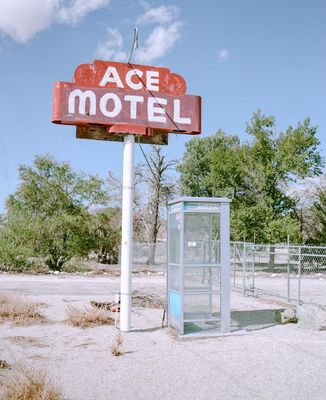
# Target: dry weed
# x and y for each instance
(19, 310)
(26, 383)
(4, 364)
(102, 304)
(84, 317)
(117, 346)
(146, 300)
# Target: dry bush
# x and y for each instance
(4, 364)
(102, 304)
(84, 317)
(146, 300)
(19, 310)
(26, 383)
(116, 348)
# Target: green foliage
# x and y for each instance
(75, 265)
(227, 164)
(49, 215)
(14, 253)
(106, 230)
(196, 166)
(318, 233)
(49, 188)
(255, 175)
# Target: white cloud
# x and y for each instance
(21, 20)
(112, 47)
(160, 15)
(76, 10)
(159, 41)
(223, 55)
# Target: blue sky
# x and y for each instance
(239, 55)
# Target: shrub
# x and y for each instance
(19, 310)
(27, 383)
(117, 345)
(85, 317)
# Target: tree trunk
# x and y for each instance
(154, 227)
(271, 262)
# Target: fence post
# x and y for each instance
(244, 267)
(253, 268)
(234, 264)
(288, 270)
(299, 276)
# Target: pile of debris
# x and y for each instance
(146, 300)
(139, 299)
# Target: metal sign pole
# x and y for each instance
(127, 231)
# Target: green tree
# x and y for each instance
(318, 216)
(49, 214)
(255, 175)
(13, 235)
(106, 229)
(195, 169)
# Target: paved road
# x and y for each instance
(75, 285)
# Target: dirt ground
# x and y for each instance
(263, 360)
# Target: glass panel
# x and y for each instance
(174, 278)
(216, 235)
(202, 306)
(202, 278)
(196, 236)
(174, 240)
(201, 238)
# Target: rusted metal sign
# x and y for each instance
(115, 98)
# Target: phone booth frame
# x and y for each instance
(198, 265)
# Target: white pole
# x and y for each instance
(127, 230)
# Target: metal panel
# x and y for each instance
(165, 82)
(225, 267)
(99, 132)
(181, 270)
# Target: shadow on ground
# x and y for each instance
(253, 319)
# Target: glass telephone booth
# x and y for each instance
(198, 276)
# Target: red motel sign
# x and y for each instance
(124, 98)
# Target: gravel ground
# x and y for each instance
(269, 361)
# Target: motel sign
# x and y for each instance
(142, 99)
(118, 101)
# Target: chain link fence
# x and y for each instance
(149, 256)
(293, 273)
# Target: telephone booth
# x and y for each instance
(198, 276)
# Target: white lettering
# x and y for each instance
(152, 111)
(111, 75)
(152, 80)
(83, 97)
(133, 104)
(130, 83)
(176, 114)
(104, 102)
